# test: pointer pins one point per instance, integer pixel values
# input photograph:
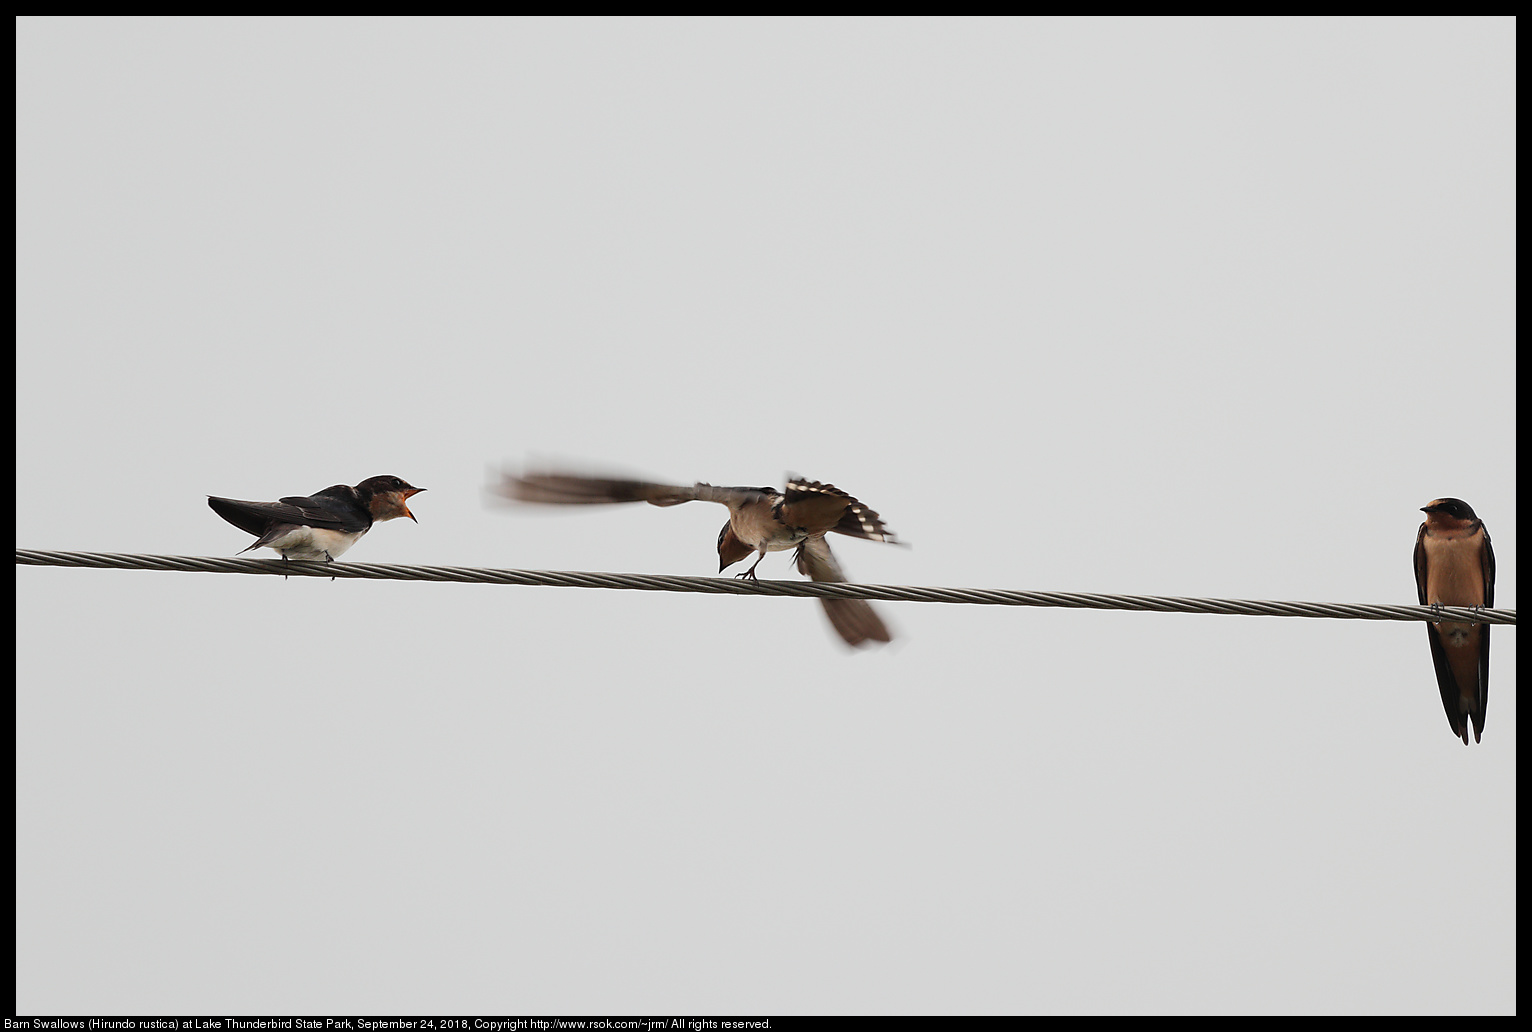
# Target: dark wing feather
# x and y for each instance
(1487, 565)
(862, 522)
(812, 506)
(1446, 682)
(1482, 696)
(257, 517)
(1487, 561)
(250, 517)
(808, 503)
(1420, 564)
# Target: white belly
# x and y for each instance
(314, 543)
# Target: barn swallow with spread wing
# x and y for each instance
(321, 526)
(1455, 566)
(761, 520)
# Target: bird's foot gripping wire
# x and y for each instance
(749, 574)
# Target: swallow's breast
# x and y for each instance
(1454, 575)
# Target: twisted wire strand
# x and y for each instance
(731, 586)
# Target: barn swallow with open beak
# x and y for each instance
(1455, 566)
(761, 520)
(323, 525)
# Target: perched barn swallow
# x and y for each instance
(761, 520)
(322, 526)
(1455, 566)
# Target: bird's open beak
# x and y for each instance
(405, 496)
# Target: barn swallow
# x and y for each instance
(761, 520)
(323, 526)
(1455, 566)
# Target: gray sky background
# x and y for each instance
(1198, 307)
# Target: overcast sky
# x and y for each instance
(1185, 307)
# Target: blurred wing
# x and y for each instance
(568, 489)
(853, 618)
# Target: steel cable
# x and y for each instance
(731, 586)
